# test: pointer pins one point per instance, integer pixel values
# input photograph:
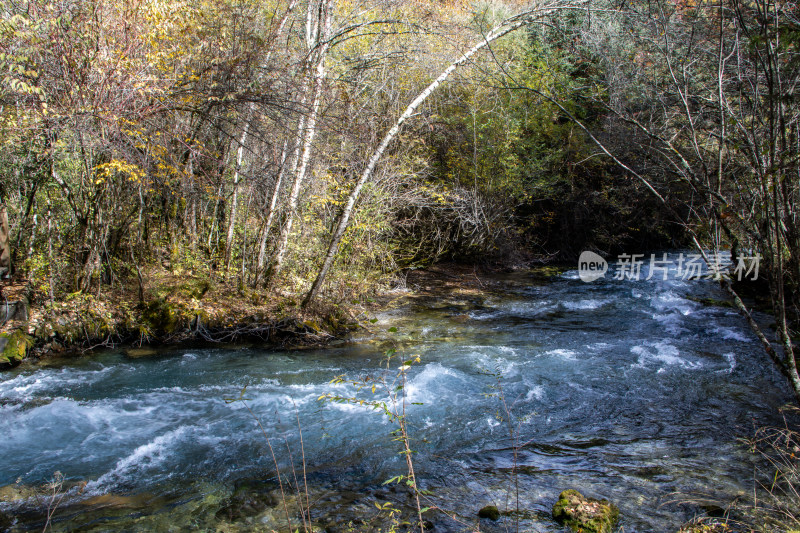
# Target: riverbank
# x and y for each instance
(172, 310)
(186, 309)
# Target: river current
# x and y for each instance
(634, 391)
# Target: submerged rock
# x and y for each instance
(17, 492)
(120, 501)
(5, 521)
(135, 353)
(490, 511)
(586, 515)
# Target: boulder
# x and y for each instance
(13, 311)
(585, 515)
(13, 347)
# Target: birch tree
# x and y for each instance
(318, 31)
(533, 14)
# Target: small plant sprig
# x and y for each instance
(391, 385)
(304, 506)
(55, 487)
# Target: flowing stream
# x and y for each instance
(628, 390)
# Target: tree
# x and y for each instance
(504, 28)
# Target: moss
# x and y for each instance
(546, 272)
(312, 326)
(708, 526)
(96, 325)
(200, 318)
(187, 288)
(16, 492)
(162, 316)
(15, 347)
(63, 329)
(490, 511)
(583, 514)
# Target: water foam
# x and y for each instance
(146, 456)
(661, 352)
(535, 393)
(585, 305)
(731, 334)
(731, 357)
(567, 355)
(26, 385)
(432, 379)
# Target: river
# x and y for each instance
(634, 391)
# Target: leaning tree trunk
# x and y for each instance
(344, 220)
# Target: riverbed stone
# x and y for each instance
(16, 492)
(583, 514)
(122, 501)
(144, 351)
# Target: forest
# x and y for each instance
(227, 169)
(321, 148)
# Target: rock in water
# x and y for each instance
(583, 514)
(490, 511)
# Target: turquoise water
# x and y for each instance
(628, 390)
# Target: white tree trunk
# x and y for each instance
(235, 199)
(320, 38)
(270, 215)
(344, 220)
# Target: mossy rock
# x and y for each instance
(200, 318)
(248, 500)
(96, 325)
(17, 492)
(490, 511)
(545, 273)
(585, 515)
(67, 330)
(117, 501)
(708, 526)
(14, 347)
